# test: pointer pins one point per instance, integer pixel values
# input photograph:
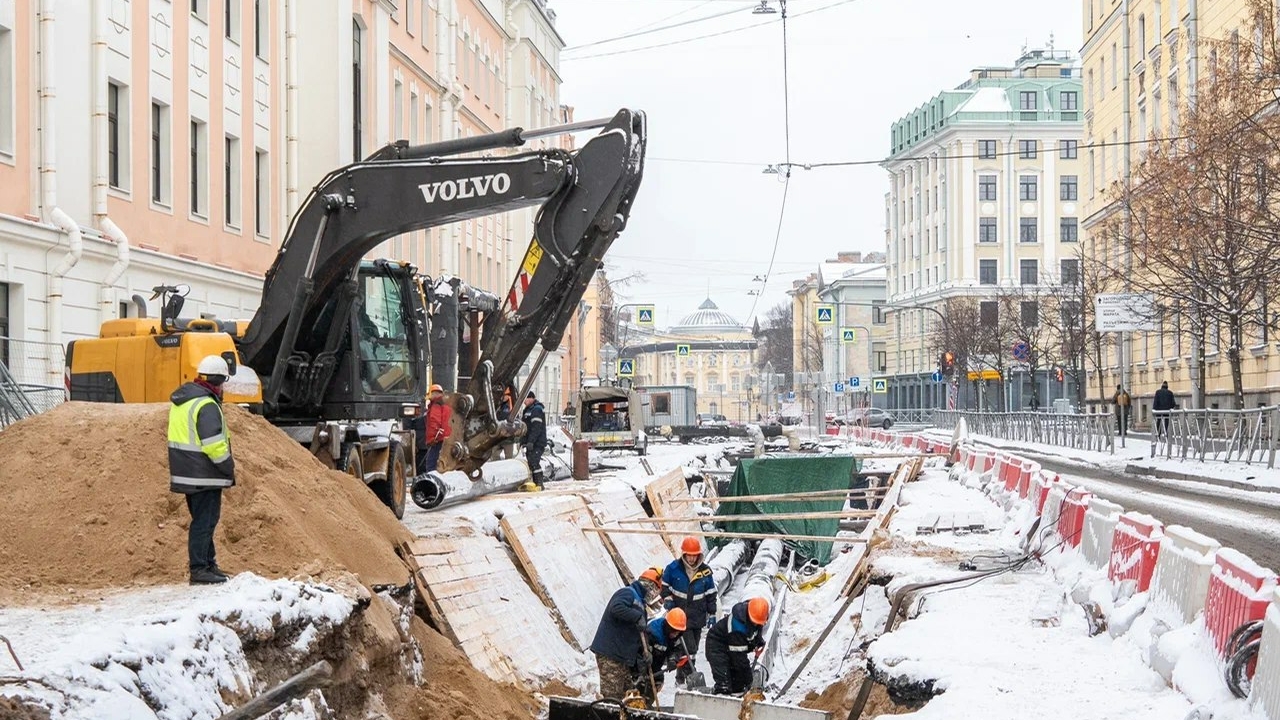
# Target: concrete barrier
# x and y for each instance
(1071, 517)
(1239, 591)
(1265, 693)
(1181, 581)
(1134, 549)
(720, 707)
(1055, 501)
(1100, 519)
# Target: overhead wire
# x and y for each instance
(673, 16)
(650, 31)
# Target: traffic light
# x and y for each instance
(1058, 374)
(947, 363)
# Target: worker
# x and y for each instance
(667, 651)
(731, 639)
(505, 406)
(687, 585)
(535, 436)
(434, 423)
(200, 462)
(618, 644)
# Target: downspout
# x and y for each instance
(1126, 338)
(100, 161)
(1193, 51)
(49, 182)
(290, 105)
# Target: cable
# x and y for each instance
(638, 33)
(673, 16)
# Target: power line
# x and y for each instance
(673, 16)
(650, 31)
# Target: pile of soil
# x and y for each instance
(84, 493)
(838, 699)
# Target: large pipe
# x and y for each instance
(725, 563)
(100, 163)
(437, 490)
(762, 581)
(49, 180)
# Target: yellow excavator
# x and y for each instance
(338, 354)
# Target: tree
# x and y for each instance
(776, 338)
(971, 331)
(1070, 314)
(1022, 311)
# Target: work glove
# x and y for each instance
(684, 661)
(711, 621)
(671, 664)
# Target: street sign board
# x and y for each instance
(839, 387)
(937, 376)
(880, 386)
(626, 367)
(826, 314)
(1123, 312)
(855, 382)
(644, 315)
(1021, 351)
(791, 396)
(847, 336)
(682, 350)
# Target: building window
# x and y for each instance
(6, 89)
(987, 230)
(357, 108)
(397, 110)
(986, 149)
(229, 19)
(878, 315)
(1027, 149)
(1028, 230)
(1030, 312)
(428, 124)
(989, 313)
(1068, 149)
(882, 360)
(159, 153)
(261, 194)
(1115, 59)
(1027, 187)
(987, 272)
(114, 135)
(1069, 187)
(1069, 229)
(199, 168)
(1070, 271)
(1027, 100)
(259, 30)
(413, 118)
(987, 187)
(198, 7)
(1029, 272)
(231, 181)
(1068, 101)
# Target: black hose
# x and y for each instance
(1242, 649)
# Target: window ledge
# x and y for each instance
(1258, 350)
(261, 238)
(233, 229)
(1173, 362)
(1157, 363)
(161, 206)
(198, 218)
(122, 193)
(8, 158)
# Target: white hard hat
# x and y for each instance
(213, 365)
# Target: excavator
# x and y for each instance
(338, 353)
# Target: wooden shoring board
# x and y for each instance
(662, 492)
(631, 553)
(571, 571)
(474, 589)
(906, 471)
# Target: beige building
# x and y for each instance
(1142, 60)
(984, 184)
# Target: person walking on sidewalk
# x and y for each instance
(1122, 402)
(731, 639)
(200, 462)
(618, 647)
(687, 585)
(1160, 406)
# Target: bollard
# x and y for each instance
(581, 460)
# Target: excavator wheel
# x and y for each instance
(391, 491)
(352, 461)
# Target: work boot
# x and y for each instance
(218, 571)
(206, 576)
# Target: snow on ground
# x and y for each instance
(178, 647)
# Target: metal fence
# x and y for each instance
(1247, 436)
(1081, 431)
(32, 378)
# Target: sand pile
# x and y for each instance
(85, 503)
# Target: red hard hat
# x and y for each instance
(653, 575)
(691, 546)
(436, 388)
(758, 610)
(677, 619)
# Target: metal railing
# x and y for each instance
(30, 382)
(1080, 431)
(1247, 436)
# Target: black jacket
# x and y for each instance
(735, 632)
(618, 635)
(1164, 400)
(535, 423)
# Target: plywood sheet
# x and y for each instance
(661, 492)
(571, 570)
(631, 553)
(485, 606)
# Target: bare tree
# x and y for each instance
(1070, 314)
(1022, 311)
(776, 338)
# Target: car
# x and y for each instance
(712, 420)
(870, 417)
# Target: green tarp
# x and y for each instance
(775, 475)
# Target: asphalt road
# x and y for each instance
(1246, 521)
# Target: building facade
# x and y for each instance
(983, 199)
(854, 346)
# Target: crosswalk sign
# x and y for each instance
(682, 351)
(826, 315)
(626, 367)
(644, 315)
(880, 386)
(846, 335)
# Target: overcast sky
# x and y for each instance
(855, 67)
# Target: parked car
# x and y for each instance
(868, 417)
(710, 420)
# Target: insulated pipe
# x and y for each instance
(725, 562)
(762, 582)
(49, 180)
(291, 106)
(100, 162)
(436, 490)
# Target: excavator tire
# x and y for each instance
(352, 461)
(392, 490)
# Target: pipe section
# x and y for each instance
(725, 564)
(436, 490)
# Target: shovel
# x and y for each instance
(695, 681)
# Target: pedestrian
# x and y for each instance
(618, 644)
(1121, 400)
(687, 584)
(1160, 406)
(535, 436)
(432, 430)
(200, 462)
(730, 640)
(667, 650)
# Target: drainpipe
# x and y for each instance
(100, 162)
(291, 104)
(1126, 338)
(49, 182)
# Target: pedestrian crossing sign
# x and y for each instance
(644, 315)
(826, 315)
(626, 367)
(846, 335)
(682, 351)
(880, 385)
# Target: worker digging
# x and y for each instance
(619, 644)
(730, 643)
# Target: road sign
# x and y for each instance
(855, 382)
(1021, 351)
(880, 386)
(791, 396)
(626, 367)
(937, 376)
(682, 350)
(826, 314)
(846, 335)
(644, 315)
(1121, 312)
(839, 387)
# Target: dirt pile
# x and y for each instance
(839, 697)
(85, 503)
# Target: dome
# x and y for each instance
(708, 319)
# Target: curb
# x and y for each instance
(1135, 469)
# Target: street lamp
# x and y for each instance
(608, 356)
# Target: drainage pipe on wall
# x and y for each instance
(101, 161)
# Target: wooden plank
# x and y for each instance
(632, 553)
(831, 514)
(570, 570)
(669, 498)
(783, 497)
(714, 533)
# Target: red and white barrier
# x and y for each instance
(1010, 468)
(1055, 502)
(1266, 678)
(1100, 520)
(1028, 471)
(1181, 581)
(1071, 517)
(1239, 591)
(1134, 549)
(1043, 482)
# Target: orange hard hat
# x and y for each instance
(677, 619)
(758, 610)
(653, 575)
(436, 388)
(691, 546)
